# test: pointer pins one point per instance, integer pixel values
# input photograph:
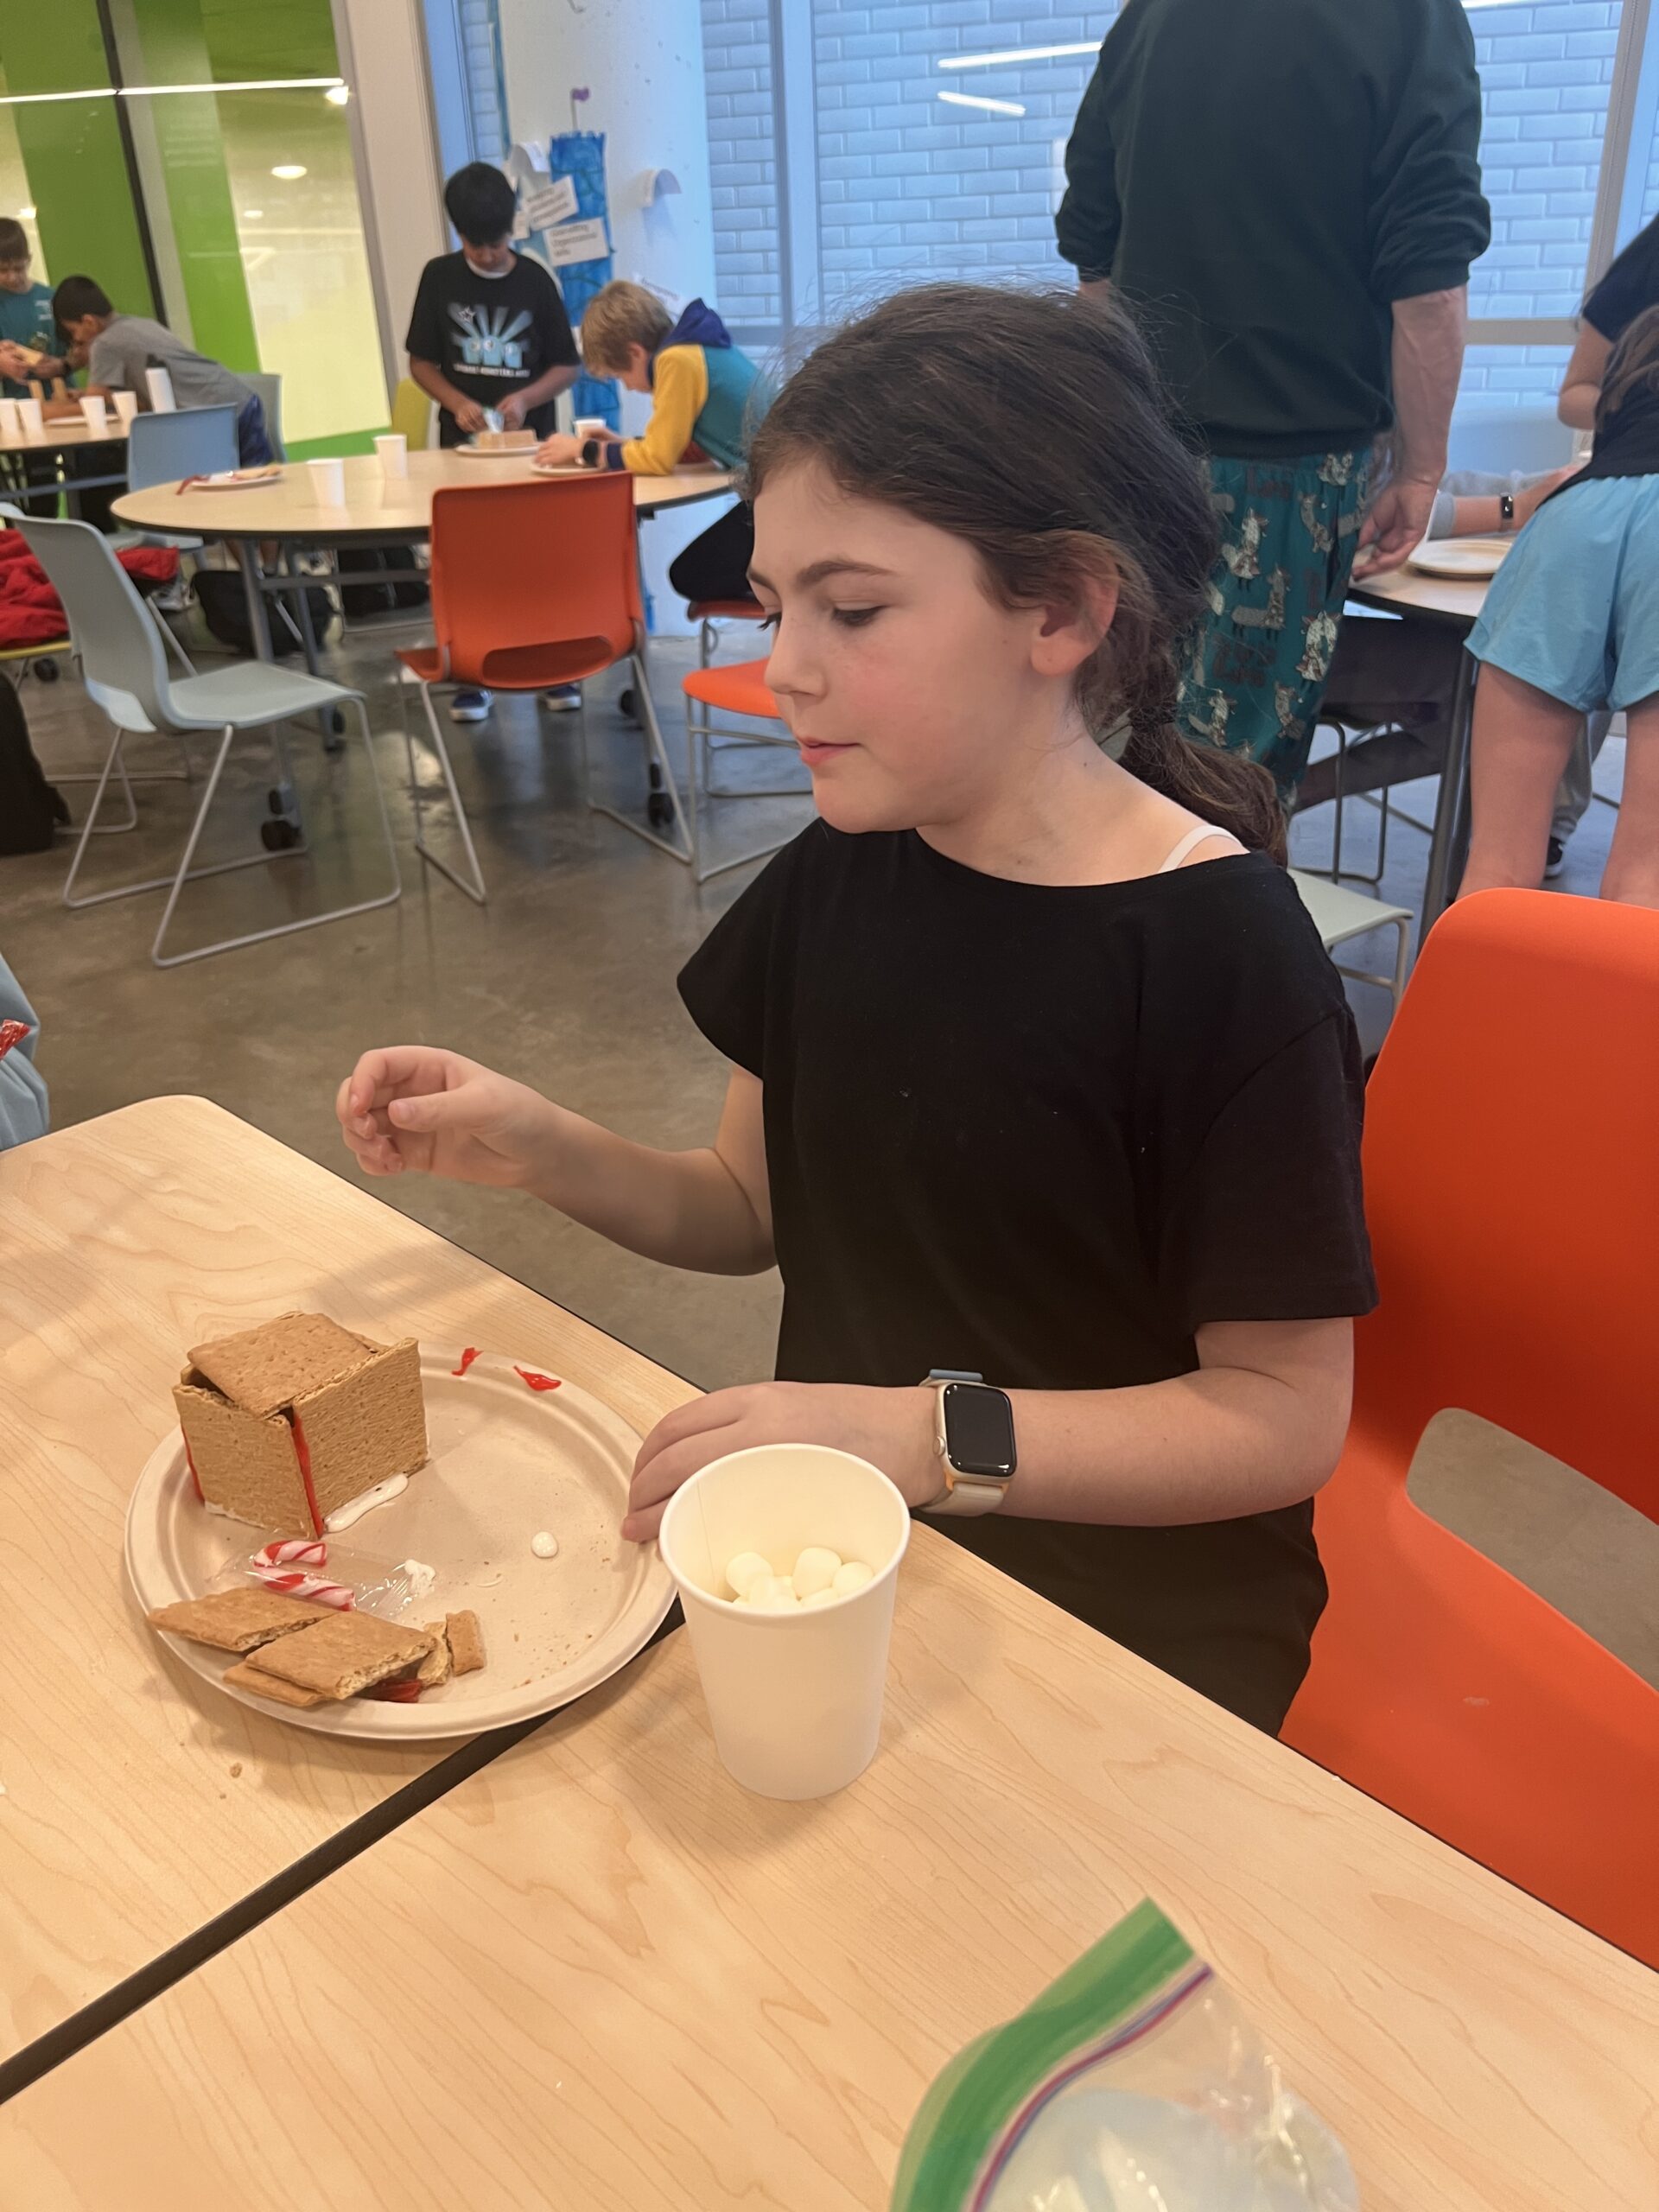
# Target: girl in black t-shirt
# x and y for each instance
(1037, 1070)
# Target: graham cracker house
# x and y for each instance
(286, 1423)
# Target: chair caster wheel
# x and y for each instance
(335, 740)
(279, 836)
(659, 809)
(627, 703)
(47, 671)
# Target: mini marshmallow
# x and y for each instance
(815, 1570)
(853, 1576)
(744, 1571)
(818, 1597)
(544, 1544)
(772, 1593)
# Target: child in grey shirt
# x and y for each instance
(119, 348)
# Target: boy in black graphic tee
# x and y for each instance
(488, 329)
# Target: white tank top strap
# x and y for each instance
(1199, 834)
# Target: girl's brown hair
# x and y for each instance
(1033, 425)
(1632, 367)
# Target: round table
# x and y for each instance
(1455, 601)
(56, 442)
(377, 510)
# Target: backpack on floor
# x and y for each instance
(30, 808)
(224, 609)
(384, 595)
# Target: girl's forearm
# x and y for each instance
(1206, 1446)
(686, 1208)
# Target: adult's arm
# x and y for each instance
(1581, 383)
(1426, 362)
(1090, 217)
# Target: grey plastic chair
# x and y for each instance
(190, 441)
(125, 672)
(269, 389)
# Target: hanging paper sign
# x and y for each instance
(549, 204)
(572, 242)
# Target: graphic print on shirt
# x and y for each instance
(490, 339)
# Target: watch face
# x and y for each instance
(979, 1429)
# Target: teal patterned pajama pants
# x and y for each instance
(1253, 673)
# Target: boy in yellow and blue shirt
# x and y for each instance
(707, 396)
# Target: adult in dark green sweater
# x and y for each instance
(1289, 192)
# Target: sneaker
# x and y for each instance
(563, 699)
(1554, 858)
(469, 707)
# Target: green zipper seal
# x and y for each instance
(986, 2085)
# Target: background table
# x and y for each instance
(126, 1823)
(598, 1973)
(1455, 600)
(58, 442)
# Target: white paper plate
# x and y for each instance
(508, 1459)
(1461, 556)
(520, 453)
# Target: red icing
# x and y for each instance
(302, 1454)
(403, 1693)
(190, 1463)
(536, 1382)
(466, 1359)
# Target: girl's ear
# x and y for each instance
(1073, 627)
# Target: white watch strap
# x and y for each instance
(963, 1495)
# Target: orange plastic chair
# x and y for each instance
(1512, 1186)
(705, 612)
(534, 584)
(740, 690)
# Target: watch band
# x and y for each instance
(1506, 509)
(962, 1494)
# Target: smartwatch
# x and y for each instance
(592, 453)
(1506, 509)
(973, 1437)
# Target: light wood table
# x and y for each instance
(598, 1973)
(138, 1802)
(57, 441)
(1455, 601)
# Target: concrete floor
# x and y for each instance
(566, 979)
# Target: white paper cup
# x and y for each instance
(10, 421)
(794, 1698)
(589, 426)
(160, 386)
(96, 415)
(32, 416)
(328, 480)
(394, 453)
(126, 406)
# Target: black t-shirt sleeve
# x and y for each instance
(728, 980)
(556, 341)
(425, 340)
(1267, 1222)
(1629, 285)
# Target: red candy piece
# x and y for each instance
(466, 1359)
(403, 1693)
(11, 1032)
(536, 1382)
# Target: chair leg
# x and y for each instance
(186, 874)
(169, 639)
(656, 752)
(88, 828)
(1401, 961)
(473, 883)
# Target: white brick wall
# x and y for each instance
(479, 35)
(910, 187)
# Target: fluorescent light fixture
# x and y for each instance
(338, 95)
(28, 214)
(972, 99)
(289, 172)
(154, 91)
(1015, 53)
(253, 214)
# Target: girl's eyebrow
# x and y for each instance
(816, 573)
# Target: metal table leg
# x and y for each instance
(247, 551)
(1450, 842)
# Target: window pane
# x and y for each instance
(1512, 376)
(1545, 71)
(742, 160)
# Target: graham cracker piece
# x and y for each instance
(437, 1667)
(345, 1653)
(269, 1367)
(465, 1643)
(363, 1428)
(235, 1620)
(245, 1462)
(245, 1676)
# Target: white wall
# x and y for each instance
(642, 62)
(382, 50)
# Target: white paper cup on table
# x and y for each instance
(327, 481)
(589, 426)
(794, 1698)
(10, 421)
(160, 387)
(32, 416)
(394, 453)
(126, 406)
(96, 413)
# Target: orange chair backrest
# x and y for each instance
(531, 581)
(1512, 1187)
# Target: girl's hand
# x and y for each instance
(559, 451)
(892, 1429)
(418, 1107)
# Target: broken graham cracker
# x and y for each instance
(245, 1676)
(235, 1620)
(465, 1643)
(345, 1653)
(262, 1370)
(437, 1667)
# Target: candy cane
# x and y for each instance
(293, 1551)
(339, 1595)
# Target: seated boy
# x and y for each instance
(707, 396)
(28, 348)
(488, 329)
(119, 348)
